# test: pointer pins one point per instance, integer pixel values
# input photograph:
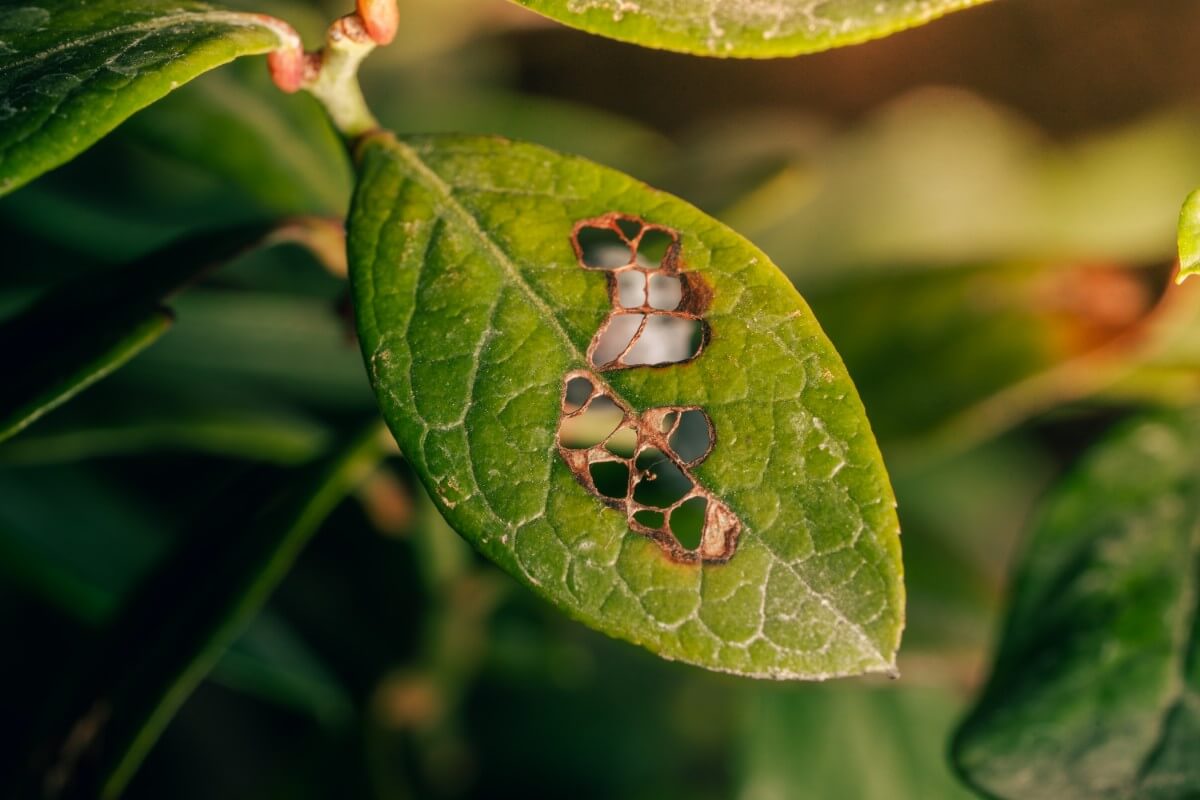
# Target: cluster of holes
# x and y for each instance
(640, 464)
(655, 317)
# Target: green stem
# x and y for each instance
(335, 83)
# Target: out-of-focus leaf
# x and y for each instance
(797, 573)
(279, 149)
(744, 29)
(940, 179)
(80, 332)
(862, 742)
(79, 556)
(84, 557)
(73, 365)
(212, 422)
(926, 348)
(71, 72)
(604, 137)
(296, 348)
(1189, 236)
(954, 572)
(1095, 692)
(1163, 366)
(175, 627)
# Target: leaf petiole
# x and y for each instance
(331, 74)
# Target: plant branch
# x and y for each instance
(331, 73)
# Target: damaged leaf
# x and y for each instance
(745, 28)
(70, 72)
(1095, 692)
(713, 494)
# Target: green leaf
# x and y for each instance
(278, 149)
(71, 72)
(977, 354)
(796, 742)
(939, 178)
(473, 311)
(84, 557)
(51, 381)
(196, 419)
(745, 29)
(1189, 236)
(86, 328)
(174, 628)
(1095, 691)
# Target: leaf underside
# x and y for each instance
(70, 72)
(474, 310)
(745, 28)
(1096, 688)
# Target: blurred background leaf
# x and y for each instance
(1094, 686)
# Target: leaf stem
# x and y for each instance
(336, 80)
(331, 73)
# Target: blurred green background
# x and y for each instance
(981, 213)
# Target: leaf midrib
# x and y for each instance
(233, 18)
(444, 192)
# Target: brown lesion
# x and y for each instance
(640, 464)
(656, 305)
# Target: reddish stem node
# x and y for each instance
(380, 18)
(287, 68)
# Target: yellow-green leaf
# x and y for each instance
(482, 280)
(70, 72)
(745, 28)
(1189, 236)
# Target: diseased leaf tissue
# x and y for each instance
(639, 463)
(625, 405)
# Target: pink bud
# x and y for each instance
(287, 68)
(380, 18)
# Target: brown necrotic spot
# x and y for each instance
(656, 308)
(641, 465)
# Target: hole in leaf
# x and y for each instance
(666, 339)
(653, 248)
(635, 467)
(630, 227)
(692, 438)
(687, 522)
(622, 443)
(641, 462)
(578, 391)
(662, 485)
(648, 457)
(602, 248)
(631, 289)
(615, 338)
(591, 427)
(651, 519)
(696, 344)
(666, 292)
(611, 478)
